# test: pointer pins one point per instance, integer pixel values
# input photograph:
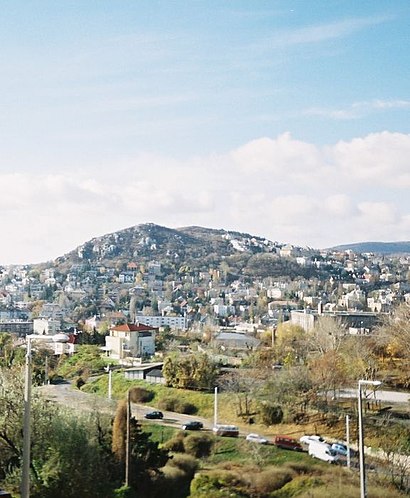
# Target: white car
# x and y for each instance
(255, 438)
(309, 439)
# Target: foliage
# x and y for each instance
(176, 443)
(146, 457)
(174, 404)
(9, 355)
(270, 414)
(290, 342)
(87, 360)
(198, 445)
(69, 454)
(140, 395)
(190, 372)
(394, 337)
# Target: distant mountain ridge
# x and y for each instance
(376, 247)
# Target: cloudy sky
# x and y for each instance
(288, 119)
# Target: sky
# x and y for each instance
(286, 119)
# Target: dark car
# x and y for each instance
(154, 414)
(193, 426)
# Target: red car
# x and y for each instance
(287, 443)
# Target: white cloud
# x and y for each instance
(377, 159)
(281, 188)
(357, 110)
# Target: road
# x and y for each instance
(64, 394)
(386, 396)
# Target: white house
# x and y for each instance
(47, 326)
(173, 322)
(130, 341)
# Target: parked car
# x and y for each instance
(341, 449)
(287, 443)
(226, 430)
(194, 425)
(323, 451)
(308, 439)
(154, 415)
(255, 438)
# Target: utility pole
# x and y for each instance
(128, 442)
(348, 441)
(362, 464)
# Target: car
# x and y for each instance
(287, 443)
(308, 439)
(323, 451)
(341, 449)
(154, 415)
(194, 425)
(226, 430)
(255, 438)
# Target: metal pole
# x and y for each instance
(109, 384)
(361, 446)
(348, 441)
(127, 441)
(25, 479)
(46, 372)
(216, 407)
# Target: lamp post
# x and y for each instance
(25, 479)
(374, 383)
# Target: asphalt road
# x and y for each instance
(64, 394)
(386, 396)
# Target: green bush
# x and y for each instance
(124, 492)
(175, 478)
(217, 484)
(140, 395)
(187, 463)
(176, 443)
(270, 480)
(174, 404)
(198, 445)
(270, 414)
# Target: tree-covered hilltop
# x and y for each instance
(192, 248)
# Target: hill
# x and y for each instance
(376, 247)
(189, 249)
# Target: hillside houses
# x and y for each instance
(109, 283)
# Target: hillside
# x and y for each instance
(191, 248)
(376, 247)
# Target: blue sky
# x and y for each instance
(280, 118)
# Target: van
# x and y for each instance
(287, 443)
(226, 430)
(323, 451)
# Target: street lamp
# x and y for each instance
(374, 383)
(25, 479)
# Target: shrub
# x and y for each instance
(124, 492)
(271, 414)
(198, 445)
(141, 395)
(79, 382)
(270, 480)
(218, 484)
(187, 463)
(174, 404)
(176, 443)
(176, 477)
